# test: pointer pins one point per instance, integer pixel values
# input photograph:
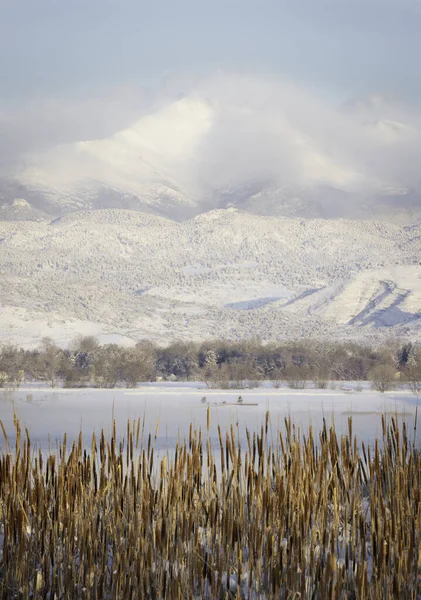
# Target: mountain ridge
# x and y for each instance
(225, 273)
(220, 214)
(199, 153)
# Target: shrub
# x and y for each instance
(382, 377)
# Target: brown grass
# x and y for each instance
(289, 517)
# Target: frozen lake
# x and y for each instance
(49, 413)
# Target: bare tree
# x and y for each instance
(296, 377)
(412, 375)
(48, 363)
(107, 368)
(12, 365)
(210, 368)
(3, 378)
(137, 364)
(382, 377)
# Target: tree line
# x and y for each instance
(218, 363)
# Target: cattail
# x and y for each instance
(320, 520)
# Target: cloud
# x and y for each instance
(222, 131)
(40, 122)
(268, 128)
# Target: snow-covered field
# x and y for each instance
(49, 413)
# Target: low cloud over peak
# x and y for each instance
(225, 132)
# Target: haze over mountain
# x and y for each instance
(268, 146)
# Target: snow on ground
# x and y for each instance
(26, 328)
(224, 274)
(49, 413)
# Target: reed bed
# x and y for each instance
(284, 516)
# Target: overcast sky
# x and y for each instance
(77, 69)
(355, 46)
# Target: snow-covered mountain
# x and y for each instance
(125, 275)
(136, 168)
(200, 153)
(256, 210)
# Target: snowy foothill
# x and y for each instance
(168, 409)
(226, 274)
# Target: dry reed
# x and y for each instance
(291, 517)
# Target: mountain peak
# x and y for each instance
(195, 154)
